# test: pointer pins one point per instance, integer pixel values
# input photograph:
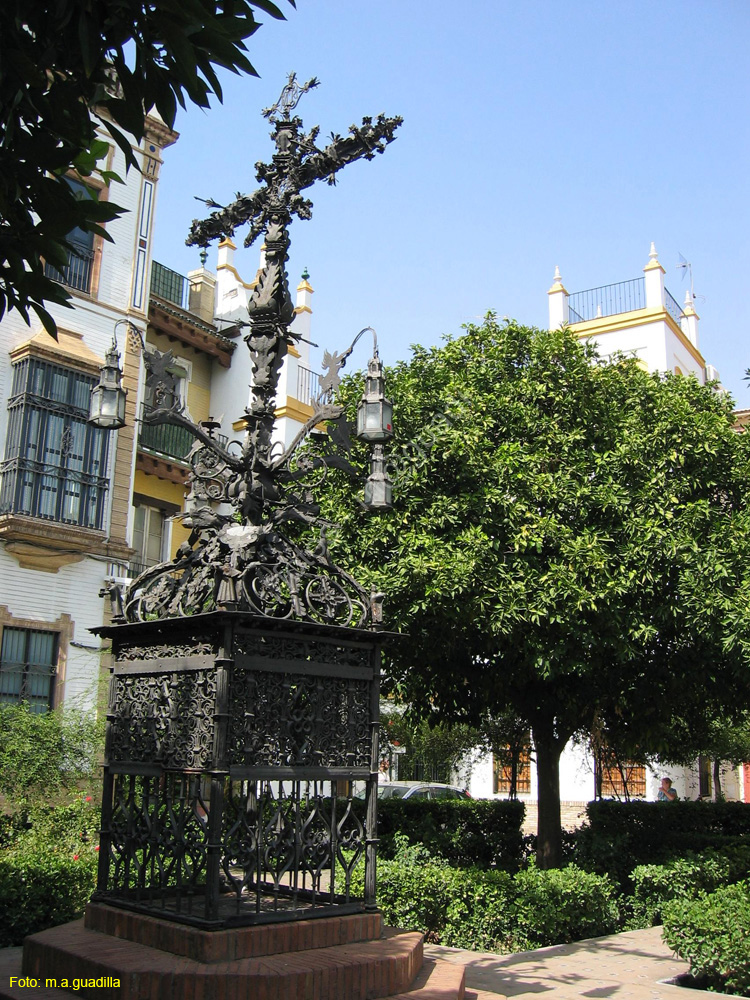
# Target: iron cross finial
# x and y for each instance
(289, 98)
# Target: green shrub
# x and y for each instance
(619, 836)
(40, 888)
(711, 933)
(562, 905)
(685, 878)
(482, 832)
(492, 910)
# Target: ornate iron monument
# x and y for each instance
(244, 694)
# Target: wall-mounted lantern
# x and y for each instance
(107, 406)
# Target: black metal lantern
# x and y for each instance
(374, 411)
(378, 487)
(107, 406)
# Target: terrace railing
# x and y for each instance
(308, 386)
(673, 307)
(170, 285)
(607, 300)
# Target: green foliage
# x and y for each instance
(711, 934)
(40, 888)
(481, 832)
(495, 911)
(59, 66)
(42, 754)
(563, 904)
(47, 867)
(568, 541)
(619, 836)
(656, 885)
(425, 751)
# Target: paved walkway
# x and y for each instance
(629, 966)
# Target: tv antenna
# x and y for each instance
(687, 270)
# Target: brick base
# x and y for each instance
(348, 959)
(239, 942)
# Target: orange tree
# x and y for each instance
(568, 542)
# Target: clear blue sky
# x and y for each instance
(535, 134)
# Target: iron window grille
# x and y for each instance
(79, 269)
(28, 665)
(55, 462)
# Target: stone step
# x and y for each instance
(438, 980)
(359, 971)
(10, 968)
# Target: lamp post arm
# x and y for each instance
(165, 416)
(328, 411)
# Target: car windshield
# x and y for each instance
(393, 791)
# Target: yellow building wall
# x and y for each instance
(199, 384)
(172, 493)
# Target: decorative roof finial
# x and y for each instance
(203, 256)
(305, 275)
(652, 253)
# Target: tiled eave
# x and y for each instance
(183, 326)
(170, 469)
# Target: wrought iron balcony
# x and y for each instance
(77, 272)
(170, 285)
(607, 300)
(308, 386)
(673, 307)
(165, 439)
(610, 300)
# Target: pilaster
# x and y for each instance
(558, 303)
(654, 282)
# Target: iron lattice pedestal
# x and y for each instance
(236, 861)
(235, 746)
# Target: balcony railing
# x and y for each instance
(165, 439)
(308, 386)
(673, 307)
(607, 300)
(170, 285)
(77, 273)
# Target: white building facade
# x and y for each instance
(60, 525)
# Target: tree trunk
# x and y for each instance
(549, 835)
(718, 793)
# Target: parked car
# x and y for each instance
(420, 790)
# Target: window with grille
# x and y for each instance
(28, 664)
(80, 267)
(55, 463)
(619, 779)
(502, 773)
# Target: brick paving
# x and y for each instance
(628, 966)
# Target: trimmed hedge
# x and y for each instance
(620, 836)
(654, 886)
(711, 933)
(481, 832)
(48, 861)
(39, 889)
(493, 910)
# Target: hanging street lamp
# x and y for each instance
(107, 406)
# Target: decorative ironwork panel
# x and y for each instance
(291, 719)
(275, 647)
(164, 718)
(291, 844)
(157, 842)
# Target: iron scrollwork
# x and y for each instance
(248, 559)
